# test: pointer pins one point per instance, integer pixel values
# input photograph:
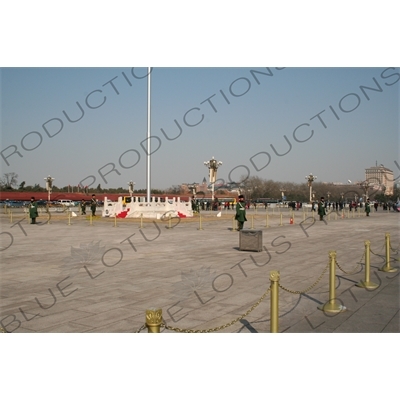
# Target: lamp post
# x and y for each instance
(365, 185)
(212, 165)
(49, 186)
(310, 179)
(283, 190)
(193, 187)
(131, 186)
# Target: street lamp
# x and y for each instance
(283, 190)
(49, 186)
(310, 179)
(192, 187)
(212, 165)
(131, 185)
(365, 186)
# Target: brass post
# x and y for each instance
(266, 224)
(332, 305)
(387, 267)
(281, 221)
(233, 224)
(90, 220)
(274, 307)
(200, 228)
(141, 220)
(115, 220)
(153, 320)
(313, 215)
(352, 213)
(367, 284)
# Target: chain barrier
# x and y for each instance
(310, 287)
(218, 328)
(395, 250)
(383, 246)
(141, 328)
(354, 271)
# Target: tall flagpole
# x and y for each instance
(148, 136)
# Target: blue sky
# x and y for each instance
(237, 115)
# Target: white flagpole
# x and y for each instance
(148, 135)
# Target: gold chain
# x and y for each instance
(310, 287)
(141, 328)
(383, 246)
(218, 328)
(354, 270)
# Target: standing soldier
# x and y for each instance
(321, 209)
(367, 207)
(33, 212)
(93, 204)
(83, 207)
(240, 212)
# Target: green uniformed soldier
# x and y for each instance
(83, 207)
(93, 204)
(367, 207)
(240, 212)
(33, 212)
(321, 209)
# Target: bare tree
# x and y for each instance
(9, 180)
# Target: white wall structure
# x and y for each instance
(157, 208)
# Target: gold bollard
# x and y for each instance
(387, 267)
(69, 217)
(266, 223)
(90, 220)
(274, 307)
(281, 221)
(200, 228)
(233, 224)
(153, 320)
(332, 305)
(367, 284)
(141, 221)
(115, 220)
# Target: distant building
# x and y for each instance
(381, 177)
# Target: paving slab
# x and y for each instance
(100, 277)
